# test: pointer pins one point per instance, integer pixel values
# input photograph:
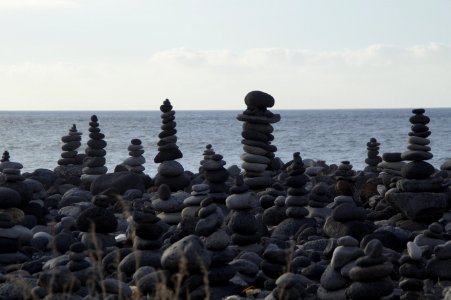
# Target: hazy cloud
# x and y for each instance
(376, 76)
(34, 4)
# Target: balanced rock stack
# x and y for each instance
(347, 219)
(72, 141)
(216, 241)
(167, 147)
(290, 286)
(136, 160)
(94, 162)
(242, 222)
(373, 156)
(10, 170)
(208, 154)
(371, 275)
(97, 222)
(419, 195)
(438, 267)
(12, 234)
(319, 198)
(268, 196)
(145, 229)
(215, 176)
(169, 205)
(192, 205)
(170, 171)
(412, 272)
(257, 136)
(335, 279)
(296, 201)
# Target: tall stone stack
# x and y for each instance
(373, 156)
(167, 147)
(72, 141)
(70, 164)
(11, 170)
(257, 139)
(296, 201)
(419, 195)
(170, 171)
(216, 176)
(241, 222)
(94, 162)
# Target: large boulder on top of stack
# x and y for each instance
(94, 162)
(419, 195)
(257, 139)
(170, 172)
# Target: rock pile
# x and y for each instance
(94, 162)
(136, 160)
(257, 139)
(373, 156)
(419, 195)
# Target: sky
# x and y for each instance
(208, 54)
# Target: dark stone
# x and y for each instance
(420, 207)
(119, 182)
(171, 154)
(191, 249)
(9, 198)
(138, 258)
(369, 290)
(392, 157)
(417, 170)
(419, 119)
(243, 222)
(416, 155)
(99, 219)
(348, 212)
(259, 99)
(22, 188)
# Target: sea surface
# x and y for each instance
(34, 138)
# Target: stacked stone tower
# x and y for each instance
(257, 139)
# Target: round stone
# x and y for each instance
(170, 168)
(417, 170)
(259, 99)
(416, 155)
(419, 140)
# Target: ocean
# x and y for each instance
(34, 138)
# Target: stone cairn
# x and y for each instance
(216, 240)
(71, 162)
(319, 198)
(136, 160)
(268, 196)
(170, 171)
(10, 170)
(296, 201)
(97, 223)
(145, 229)
(373, 156)
(419, 195)
(72, 141)
(242, 222)
(257, 139)
(275, 214)
(169, 205)
(371, 275)
(94, 162)
(208, 154)
(412, 272)
(192, 206)
(335, 279)
(216, 176)
(347, 218)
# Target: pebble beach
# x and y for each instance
(266, 228)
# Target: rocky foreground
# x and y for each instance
(268, 230)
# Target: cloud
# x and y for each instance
(34, 4)
(375, 76)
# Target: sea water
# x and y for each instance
(34, 138)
